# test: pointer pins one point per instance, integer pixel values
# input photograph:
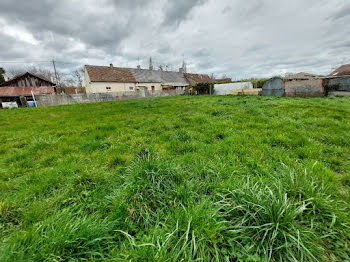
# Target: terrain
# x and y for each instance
(204, 178)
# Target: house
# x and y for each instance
(343, 70)
(119, 81)
(21, 88)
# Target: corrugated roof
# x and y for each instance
(344, 70)
(199, 78)
(110, 74)
(158, 76)
(25, 90)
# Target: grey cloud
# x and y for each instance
(239, 38)
(344, 12)
(178, 10)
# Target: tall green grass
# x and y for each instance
(177, 179)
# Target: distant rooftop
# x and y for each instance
(301, 75)
(344, 70)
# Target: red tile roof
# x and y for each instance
(199, 78)
(110, 74)
(25, 90)
(344, 70)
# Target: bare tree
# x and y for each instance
(212, 76)
(78, 76)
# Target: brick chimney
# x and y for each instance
(111, 65)
(150, 64)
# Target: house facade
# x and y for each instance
(130, 81)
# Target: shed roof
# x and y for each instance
(26, 90)
(301, 75)
(199, 78)
(50, 83)
(344, 70)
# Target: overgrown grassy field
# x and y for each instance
(177, 179)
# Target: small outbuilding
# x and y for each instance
(301, 84)
(273, 87)
(21, 89)
(338, 82)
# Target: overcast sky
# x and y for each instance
(239, 38)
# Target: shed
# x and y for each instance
(273, 87)
(21, 95)
(28, 79)
(305, 87)
(312, 87)
(225, 89)
(338, 85)
(338, 82)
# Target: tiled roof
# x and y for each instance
(344, 70)
(25, 90)
(133, 75)
(199, 78)
(110, 74)
(158, 76)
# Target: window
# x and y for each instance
(152, 88)
(108, 88)
(131, 88)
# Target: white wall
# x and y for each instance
(224, 89)
(100, 87)
(157, 86)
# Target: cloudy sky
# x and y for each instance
(239, 38)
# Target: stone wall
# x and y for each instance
(304, 87)
(65, 99)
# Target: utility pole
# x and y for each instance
(56, 76)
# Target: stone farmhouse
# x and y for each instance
(119, 81)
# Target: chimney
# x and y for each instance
(150, 64)
(139, 67)
(181, 70)
(111, 65)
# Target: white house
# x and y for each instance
(129, 81)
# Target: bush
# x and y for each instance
(205, 88)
